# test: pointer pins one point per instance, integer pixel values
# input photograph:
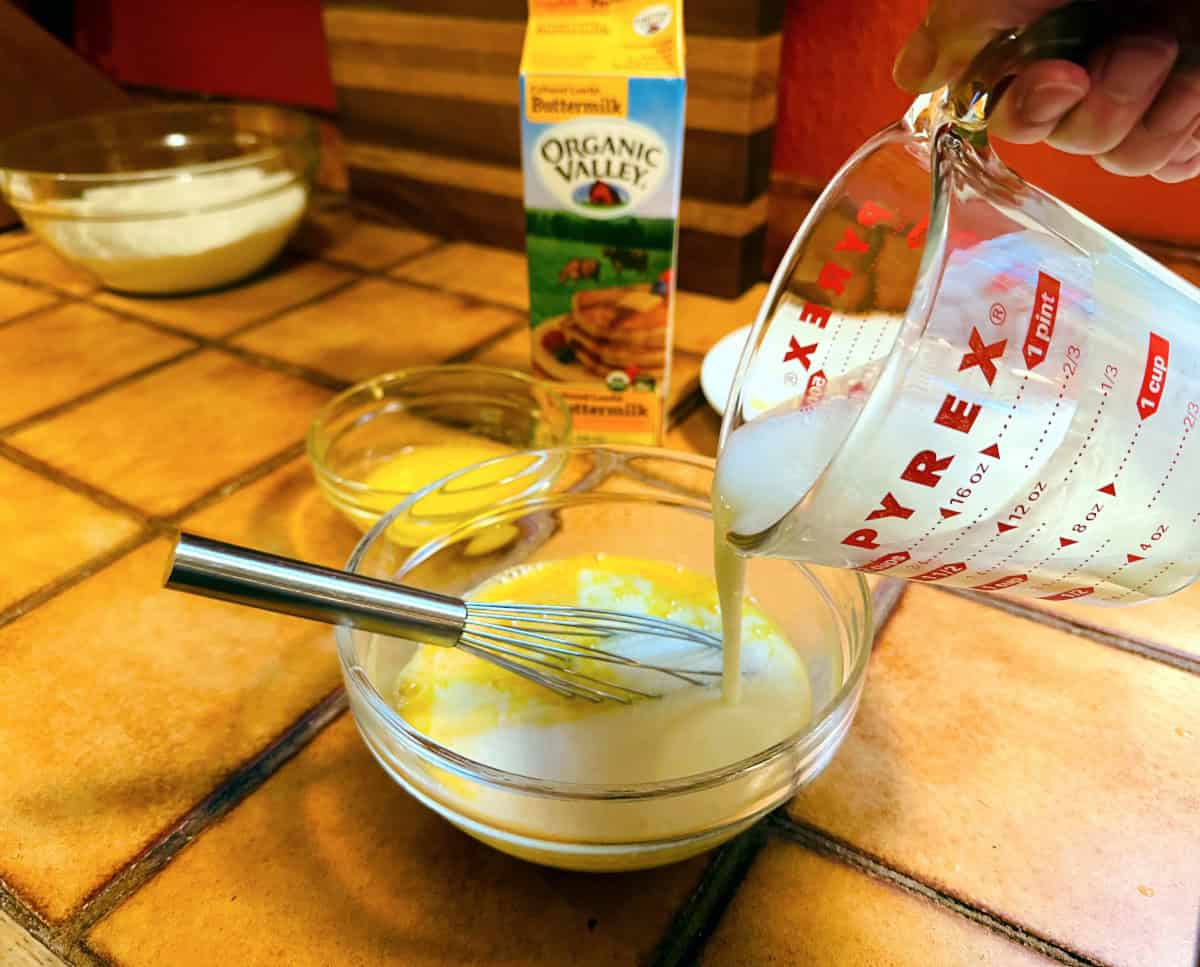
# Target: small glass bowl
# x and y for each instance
(165, 199)
(434, 416)
(631, 501)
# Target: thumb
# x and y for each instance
(953, 32)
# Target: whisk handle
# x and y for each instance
(214, 569)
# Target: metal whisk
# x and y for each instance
(541, 643)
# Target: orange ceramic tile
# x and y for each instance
(1030, 772)
(38, 263)
(54, 356)
(376, 326)
(822, 913)
(1168, 623)
(489, 273)
(284, 513)
(696, 434)
(350, 870)
(14, 238)
(47, 530)
(511, 352)
(286, 283)
(125, 704)
(163, 440)
(701, 320)
(339, 235)
(17, 299)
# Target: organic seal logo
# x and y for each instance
(600, 168)
(652, 20)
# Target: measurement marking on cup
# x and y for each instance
(1087, 439)
(1013, 409)
(1086, 561)
(1137, 431)
(963, 533)
(1145, 584)
(1187, 428)
(1050, 420)
(1016, 550)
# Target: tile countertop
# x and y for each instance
(180, 783)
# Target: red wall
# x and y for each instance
(836, 90)
(271, 50)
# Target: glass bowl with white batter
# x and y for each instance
(569, 783)
(165, 199)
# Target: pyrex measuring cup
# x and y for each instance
(957, 379)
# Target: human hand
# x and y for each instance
(1131, 107)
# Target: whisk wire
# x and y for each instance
(553, 646)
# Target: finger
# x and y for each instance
(1038, 100)
(1165, 128)
(953, 31)
(1126, 76)
(1178, 171)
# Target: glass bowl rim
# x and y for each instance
(307, 133)
(375, 385)
(465, 767)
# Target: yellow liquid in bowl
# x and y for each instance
(419, 466)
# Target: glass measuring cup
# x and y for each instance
(957, 379)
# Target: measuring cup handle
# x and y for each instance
(1071, 32)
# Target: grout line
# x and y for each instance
(695, 922)
(277, 314)
(81, 955)
(244, 781)
(467, 298)
(231, 486)
(1152, 651)
(316, 377)
(53, 474)
(29, 314)
(485, 344)
(75, 576)
(96, 391)
(435, 245)
(828, 846)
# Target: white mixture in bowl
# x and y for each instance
(182, 234)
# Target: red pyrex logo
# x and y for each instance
(1154, 379)
(1041, 320)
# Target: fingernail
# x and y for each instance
(1048, 102)
(1134, 67)
(916, 61)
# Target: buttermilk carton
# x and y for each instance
(602, 100)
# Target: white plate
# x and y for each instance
(720, 366)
